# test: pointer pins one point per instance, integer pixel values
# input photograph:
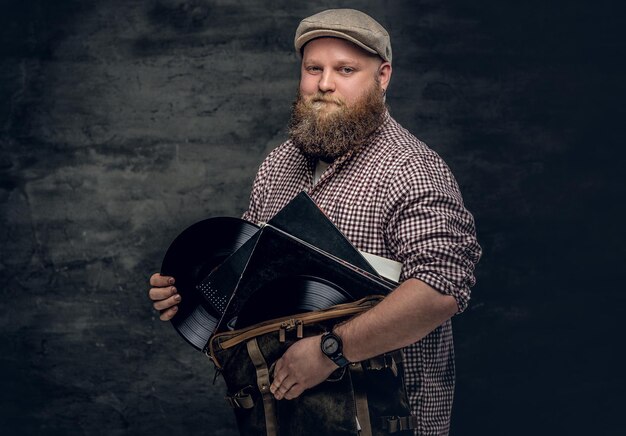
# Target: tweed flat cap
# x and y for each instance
(348, 24)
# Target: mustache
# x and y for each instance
(319, 97)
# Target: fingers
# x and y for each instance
(160, 281)
(278, 379)
(164, 295)
(281, 389)
(284, 385)
(276, 370)
(168, 314)
(167, 303)
(157, 294)
(295, 391)
(277, 383)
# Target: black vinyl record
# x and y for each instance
(196, 252)
(288, 295)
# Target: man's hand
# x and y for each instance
(164, 295)
(301, 367)
(405, 316)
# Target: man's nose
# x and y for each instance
(327, 82)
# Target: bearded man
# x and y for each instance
(389, 194)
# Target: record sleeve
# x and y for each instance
(303, 219)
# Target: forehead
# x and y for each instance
(328, 48)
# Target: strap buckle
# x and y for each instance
(242, 399)
(383, 361)
(393, 424)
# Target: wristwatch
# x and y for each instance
(332, 347)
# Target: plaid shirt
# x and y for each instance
(392, 197)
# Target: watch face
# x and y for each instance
(330, 346)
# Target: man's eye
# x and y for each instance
(313, 69)
(346, 70)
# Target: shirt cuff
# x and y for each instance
(444, 286)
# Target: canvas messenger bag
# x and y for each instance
(364, 398)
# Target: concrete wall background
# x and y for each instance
(123, 122)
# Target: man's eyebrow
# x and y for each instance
(340, 61)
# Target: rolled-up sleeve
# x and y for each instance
(429, 229)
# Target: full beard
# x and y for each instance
(327, 136)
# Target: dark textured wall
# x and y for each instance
(124, 121)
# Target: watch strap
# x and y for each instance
(340, 360)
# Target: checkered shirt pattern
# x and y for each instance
(392, 197)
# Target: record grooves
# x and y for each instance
(197, 251)
(287, 295)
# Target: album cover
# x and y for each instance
(303, 219)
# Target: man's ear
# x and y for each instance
(384, 75)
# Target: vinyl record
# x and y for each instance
(290, 295)
(196, 252)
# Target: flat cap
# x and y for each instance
(349, 24)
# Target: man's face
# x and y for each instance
(339, 71)
(340, 100)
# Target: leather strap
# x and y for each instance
(263, 381)
(388, 360)
(242, 399)
(397, 357)
(360, 398)
(394, 424)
